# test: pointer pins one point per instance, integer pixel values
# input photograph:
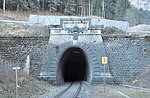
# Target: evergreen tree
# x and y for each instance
(132, 16)
(147, 17)
(110, 8)
(141, 16)
(121, 9)
(97, 7)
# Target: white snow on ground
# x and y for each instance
(141, 27)
(141, 30)
(145, 4)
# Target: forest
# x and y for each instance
(121, 10)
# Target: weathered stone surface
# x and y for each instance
(90, 42)
(16, 49)
(127, 56)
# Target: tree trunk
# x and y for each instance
(43, 4)
(3, 6)
(89, 7)
(18, 7)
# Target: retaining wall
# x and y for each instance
(127, 56)
(16, 49)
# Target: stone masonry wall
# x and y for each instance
(127, 56)
(16, 49)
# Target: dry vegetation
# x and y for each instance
(6, 72)
(14, 15)
(29, 86)
(23, 30)
(111, 30)
(14, 29)
(23, 15)
(143, 79)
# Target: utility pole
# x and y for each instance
(103, 9)
(3, 6)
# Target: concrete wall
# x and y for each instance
(55, 20)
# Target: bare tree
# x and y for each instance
(3, 6)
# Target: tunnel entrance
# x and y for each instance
(74, 65)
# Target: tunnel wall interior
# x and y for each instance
(73, 65)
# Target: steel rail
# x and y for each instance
(66, 89)
(62, 92)
(78, 90)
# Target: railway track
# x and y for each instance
(69, 91)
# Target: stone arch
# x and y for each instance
(90, 53)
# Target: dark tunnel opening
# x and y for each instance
(74, 65)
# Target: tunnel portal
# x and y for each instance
(74, 52)
(74, 65)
